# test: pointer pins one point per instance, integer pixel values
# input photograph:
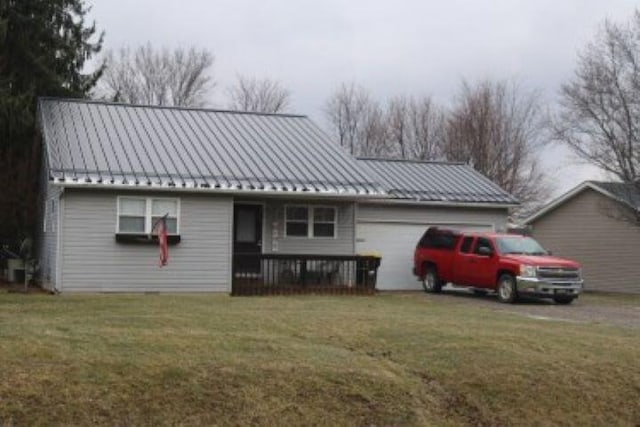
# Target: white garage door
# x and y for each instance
(396, 243)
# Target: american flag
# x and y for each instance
(160, 228)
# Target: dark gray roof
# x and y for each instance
(116, 144)
(628, 193)
(436, 181)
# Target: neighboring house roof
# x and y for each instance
(436, 182)
(107, 144)
(624, 192)
(627, 194)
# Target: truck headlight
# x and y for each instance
(527, 270)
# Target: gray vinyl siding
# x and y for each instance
(274, 239)
(94, 262)
(430, 215)
(47, 239)
(585, 229)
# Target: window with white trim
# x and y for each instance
(324, 222)
(296, 221)
(311, 221)
(137, 215)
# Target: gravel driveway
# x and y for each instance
(618, 310)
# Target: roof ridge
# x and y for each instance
(596, 181)
(167, 107)
(399, 160)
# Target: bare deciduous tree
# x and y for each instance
(416, 128)
(600, 107)
(406, 128)
(398, 124)
(372, 135)
(346, 112)
(496, 128)
(145, 75)
(426, 122)
(258, 95)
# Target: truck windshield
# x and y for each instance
(520, 246)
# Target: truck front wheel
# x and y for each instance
(431, 283)
(507, 289)
(563, 299)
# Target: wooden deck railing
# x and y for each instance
(285, 274)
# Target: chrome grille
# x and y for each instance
(558, 273)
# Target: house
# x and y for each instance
(597, 224)
(235, 187)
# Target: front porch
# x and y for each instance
(280, 247)
(287, 274)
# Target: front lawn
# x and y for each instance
(389, 359)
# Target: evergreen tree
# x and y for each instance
(44, 45)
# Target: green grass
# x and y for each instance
(384, 360)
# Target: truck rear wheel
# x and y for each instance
(431, 282)
(507, 289)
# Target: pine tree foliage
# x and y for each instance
(44, 47)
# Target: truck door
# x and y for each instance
(462, 262)
(482, 263)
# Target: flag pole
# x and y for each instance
(155, 224)
(162, 238)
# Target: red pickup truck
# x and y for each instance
(511, 265)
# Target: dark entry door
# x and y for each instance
(247, 237)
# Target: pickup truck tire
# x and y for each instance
(507, 289)
(563, 299)
(431, 282)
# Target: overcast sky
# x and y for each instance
(411, 47)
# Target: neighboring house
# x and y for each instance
(597, 224)
(231, 182)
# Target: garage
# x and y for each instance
(423, 194)
(396, 241)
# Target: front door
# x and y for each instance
(247, 237)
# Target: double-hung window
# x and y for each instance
(311, 221)
(297, 221)
(138, 215)
(324, 222)
(168, 207)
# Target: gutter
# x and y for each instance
(221, 191)
(437, 203)
(381, 198)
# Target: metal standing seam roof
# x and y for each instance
(93, 142)
(436, 182)
(625, 192)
